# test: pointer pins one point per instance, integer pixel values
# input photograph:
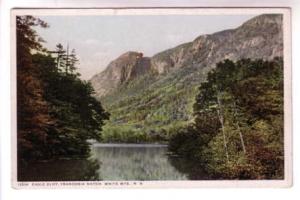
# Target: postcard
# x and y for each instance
(151, 97)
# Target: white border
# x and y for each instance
(287, 182)
(8, 193)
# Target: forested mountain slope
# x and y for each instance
(149, 98)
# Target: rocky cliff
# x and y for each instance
(260, 37)
(156, 95)
(120, 71)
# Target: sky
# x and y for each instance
(100, 39)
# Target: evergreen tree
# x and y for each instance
(57, 112)
(238, 127)
(32, 110)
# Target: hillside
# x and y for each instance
(148, 98)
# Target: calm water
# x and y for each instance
(134, 162)
(115, 162)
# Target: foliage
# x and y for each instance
(57, 112)
(79, 116)
(33, 118)
(238, 126)
(154, 104)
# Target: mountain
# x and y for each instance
(154, 95)
(123, 69)
(260, 37)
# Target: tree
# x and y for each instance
(32, 110)
(57, 112)
(246, 98)
(79, 116)
(73, 61)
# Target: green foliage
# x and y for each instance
(154, 104)
(133, 133)
(238, 126)
(123, 134)
(78, 115)
(57, 112)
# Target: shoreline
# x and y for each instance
(140, 145)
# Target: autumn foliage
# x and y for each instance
(237, 131)
(56, 110)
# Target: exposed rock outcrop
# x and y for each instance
(120, 71)
(260, 37)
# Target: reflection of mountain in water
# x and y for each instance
(135, 163)
(116, 162)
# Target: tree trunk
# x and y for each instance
(239, 129)
(221, 118)
(67, 60)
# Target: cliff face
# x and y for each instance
(120, 71)
(154, 95)
(260, 37)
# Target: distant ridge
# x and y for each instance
(259, 37)
(155, 95)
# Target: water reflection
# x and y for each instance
(135, 162)
(60, 170)
(193, 169)
(116, 162)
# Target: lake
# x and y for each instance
(115, 162)
(134, 162)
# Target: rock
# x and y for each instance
(259, 37)
(120, 71)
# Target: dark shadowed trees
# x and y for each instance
(33, 117)
(57, 112)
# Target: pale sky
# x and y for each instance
(101, 39)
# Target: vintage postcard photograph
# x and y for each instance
(170, 97)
